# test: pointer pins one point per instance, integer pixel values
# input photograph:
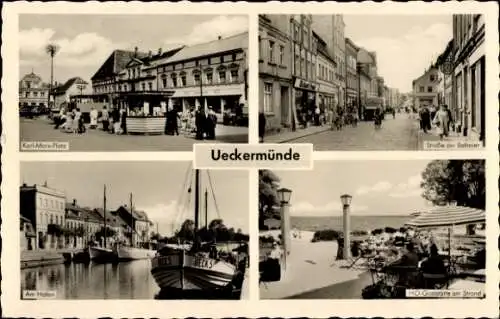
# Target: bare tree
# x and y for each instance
(51, 49)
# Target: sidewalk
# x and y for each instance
(432, 136)
(289, 136)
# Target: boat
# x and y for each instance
(102, 254)
(125, 253)
(185, 270)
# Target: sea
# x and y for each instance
(367, 223)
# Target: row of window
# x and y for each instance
(52, 204)
(208, 78)
(274, 50)
(421, 89)
(209, 61)
(47, 218)
(325, 73)
(304, 68)
(34, 94)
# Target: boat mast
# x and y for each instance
(133, 221)
(206, 208)
(105, 224)
(197, 201)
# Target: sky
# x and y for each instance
(377, 187)
(156, 188)
(86, 41)
(405, 44)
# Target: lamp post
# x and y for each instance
(346, 206)
(284, 195)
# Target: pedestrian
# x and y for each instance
(59, 120)
(116, 120)
(355, 118)
(331, 118)
(425, 119)
(200, 123)
(211, 123)
(175, 122)
(262, 126)
(432, 111)
(93, 118)
(450, 118)
(76, 120)
(79, 120)
(105, 119)
(123, 121)
(441, 120)
(317, 113)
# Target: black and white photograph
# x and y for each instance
(373, 230)
(132, 230)
(132, 82)
(372, 82)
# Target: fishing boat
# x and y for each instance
(126, 252)
(98, 253)
(189, 268)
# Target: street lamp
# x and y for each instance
(346, 205)
(284, 195)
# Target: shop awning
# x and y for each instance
(448, 216)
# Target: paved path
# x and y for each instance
(395, 134)
(98, 141)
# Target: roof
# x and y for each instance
(447, 216)
(24, 219)
(235, 42)
(136, 214)
(115, 63)
(31, 77)
(112, 218)
(65, 87)
(85, 213)
(425, 73)
(364, 56)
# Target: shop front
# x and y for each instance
(327, 97)
(352, 100)
(305, 98)
(223, 99)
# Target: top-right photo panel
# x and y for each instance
(373, 82)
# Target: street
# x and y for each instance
(41, 130)
(397, 134)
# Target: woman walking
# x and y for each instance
(442, 120)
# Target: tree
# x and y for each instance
(186, 232)
(268, 196)
(51, 49)
(460, 181)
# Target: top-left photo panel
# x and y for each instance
(94, 83)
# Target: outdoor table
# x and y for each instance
(145, 124)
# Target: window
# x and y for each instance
(429, 89)
(209, 77)
(150, 86)
(268, 97)
(174, 80)
(164, 82)
(282, 54)
(42, 94)
(197, 79)
(271, 51)
(46, 203)
(35, 94)
(183, 80)
(297, 65)
(421, 89)
(234, 76)
(432, 77)
(302, 67)
(51, 221)
(222, 76)
(57, 220)
(143, 86)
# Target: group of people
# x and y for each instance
(440, 117)
(205, 124)
(70, 121)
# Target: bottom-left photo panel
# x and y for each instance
(133, 230)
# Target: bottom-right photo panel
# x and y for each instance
(373, 229)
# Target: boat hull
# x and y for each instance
(186, 272)
(132, 253)
(102, 255)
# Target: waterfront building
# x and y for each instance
(74, 86)
(212, 74)
(44, 207)
(469, 74)
(351, 53)
(325, 75)
(425, 88)
(275, 71)
(137, 224)
(303, 63)
(76, 218)
(27, 234)
(33, 91)
(114, 222)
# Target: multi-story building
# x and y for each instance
(27, 235)
(339, 51)
(469, 74)
(445, 61)
(74, 86)
(275, 71)
(45, 208)
(351, 74)
(212, 74)
(138, 225)
(304, 54)
(325, 74)
(32, 91)
(426, 88)
(365, 73)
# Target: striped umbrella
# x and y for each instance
(448, 216)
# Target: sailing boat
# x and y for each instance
(102, 254)
(125, 253)
(185, 269)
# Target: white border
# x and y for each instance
(12, 306)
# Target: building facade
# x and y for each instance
(426, 89)
(304, 53)
(351, 74)
(33, 91)
(469, 74)
(325, 74)
(45, 208)
(73, 87)
(275, 71)
(365, 74)
(212, 74)
(339, 52)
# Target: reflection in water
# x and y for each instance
(129, 280)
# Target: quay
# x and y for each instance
(37, 258)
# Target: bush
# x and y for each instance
(390, 230)
(326, 235)
(359, 233)
(377, 231)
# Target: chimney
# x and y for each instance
(136, 51)
(159, 51)
(219, 37)
(74, 202)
